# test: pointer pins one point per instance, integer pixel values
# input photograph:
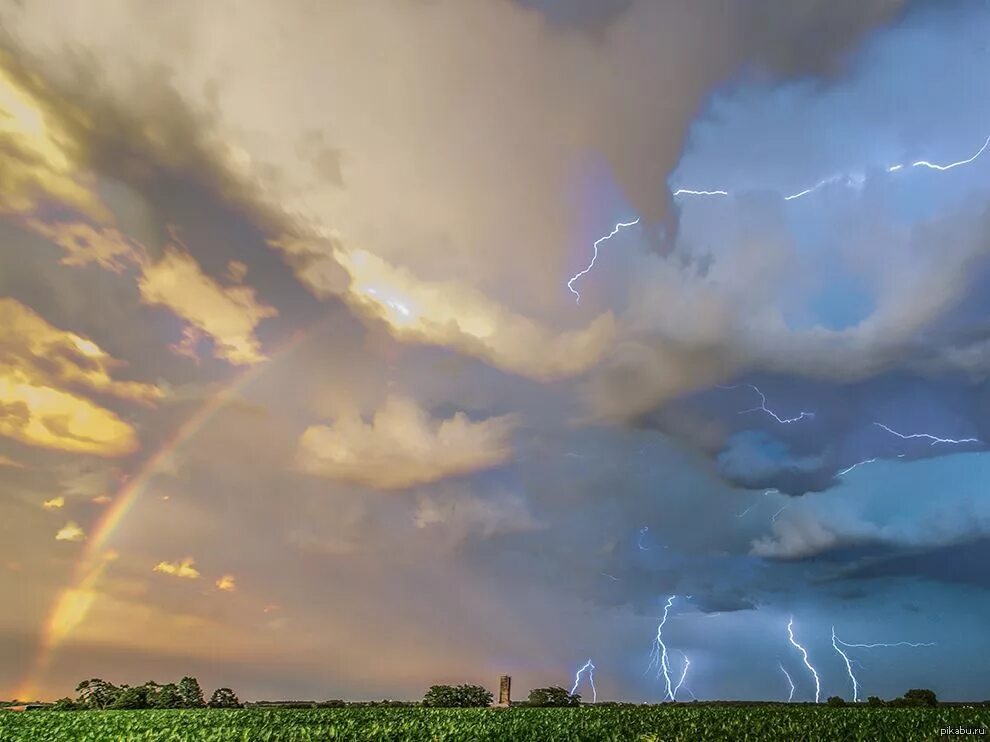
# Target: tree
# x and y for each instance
(131, 698)
(96, 693)
(874, 701)
(224, 698)
(460, 696)
(164, 696)
(190, 693)
(836, 701)
(921, 697)
(65, 704)
(553, 696)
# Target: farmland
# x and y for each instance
(647, 723)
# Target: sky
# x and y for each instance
(318, 380)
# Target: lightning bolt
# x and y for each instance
(849, 668)
(933, 166)
(850, 180)
(933, 438)
(658, 653)
(888, 644)
(804, 655)
(642, 535)
(763, 406)
(860, 463)
(684, 671)
(615, 230)
(689, 192)
(836, 641)
(768, 492)
(789, 682)
(588, 667)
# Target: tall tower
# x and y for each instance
(504, 691)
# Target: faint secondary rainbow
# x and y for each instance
(74, 602)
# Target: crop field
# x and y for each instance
(647, 723)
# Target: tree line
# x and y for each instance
(96, 693)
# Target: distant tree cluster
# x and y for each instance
(914, 697)
(457, 696)
(96, 693)
(552, 697)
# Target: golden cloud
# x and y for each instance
(46, 355)
(54, 504)
(184, 569)
(40, 367)
(70, 532)
(227, 583)
(448, 313)
(403, 446)
(85, 244)
(228, 314)
(38, 158)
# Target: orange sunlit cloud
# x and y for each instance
(70, 532)
(227, 583)
(185, 569)
(54, 504)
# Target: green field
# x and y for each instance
(539, 725)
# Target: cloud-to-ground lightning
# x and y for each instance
(615, 230)
(804, 656)
(658, 652)
(836, 642)
(763, 406)
(790, 682)
(858, 463)
(848, 179)
(588, 667)
(849, 669)
(928, 436)
(684, 671)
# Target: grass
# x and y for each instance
(645, 723)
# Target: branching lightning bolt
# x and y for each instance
(804, 655)
(933, 438)
(763, 406)
(588, 667)
(849, 179)
(658, 653)
(615, 230)
(836, 641)
(790, 682)
(849, 668)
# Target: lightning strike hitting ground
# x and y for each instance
(860, 463)
(684, 671)
(849, 668)
(790, 682)
(804, 656)
(763, 406)
(588, 667)
(850, 180)
(933, 438)
(615, 230)
(658, 652)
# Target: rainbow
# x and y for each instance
(73, 603)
